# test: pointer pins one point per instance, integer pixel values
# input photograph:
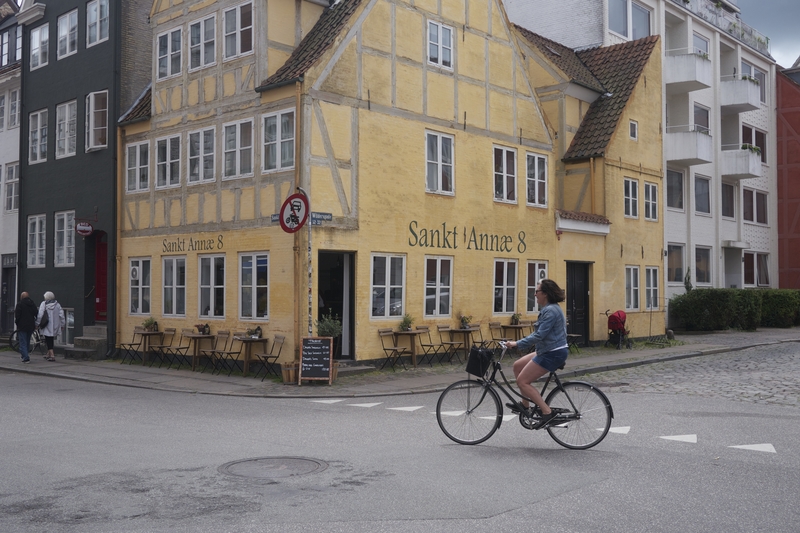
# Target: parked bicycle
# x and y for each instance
(470, 411)
(37, 342)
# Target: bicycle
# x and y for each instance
(470, 411)
(37, 342)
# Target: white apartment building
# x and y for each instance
(720, 154)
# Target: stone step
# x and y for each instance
(98, 332)
(82, 353)
(354, 370)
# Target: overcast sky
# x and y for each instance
(780, 21)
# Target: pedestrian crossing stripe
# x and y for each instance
(682, 438)
(756, 447)
(622, 430)
(364, 404)
(414, 408)
(327, 401)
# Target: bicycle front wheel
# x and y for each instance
(469, 412)
(582, 422)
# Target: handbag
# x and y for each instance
(479, 361)
(45, 319)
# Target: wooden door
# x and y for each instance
(578, 300)
(101, 277)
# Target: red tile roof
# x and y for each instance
(583, 217)
(140, 110)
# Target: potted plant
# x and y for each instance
(329, 326)
(515, 318)
(150, 324)
(203, 329)
(465, 320)
(405, 323)
(254, 332)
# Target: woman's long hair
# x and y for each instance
(554, 293)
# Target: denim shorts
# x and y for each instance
(551, 361)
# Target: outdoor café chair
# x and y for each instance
(158, 350)
(497, 333)
(130, 350)
(220, 343)
(451, 347)
(393, 352)
(430, 350)
(179, 354)
(269, 360)
(477, 336)
(230, 358)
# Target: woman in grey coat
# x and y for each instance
(55, 322)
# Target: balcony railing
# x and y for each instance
(739, 94)
(685, 73)
(740, 162)
(727, 22)
(689, 145)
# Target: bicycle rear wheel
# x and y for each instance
(13, 341)
(586, 424)
(469, 412)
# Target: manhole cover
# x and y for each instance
(273, 467)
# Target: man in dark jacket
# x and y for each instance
(25, 318)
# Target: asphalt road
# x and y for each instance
(81, 457)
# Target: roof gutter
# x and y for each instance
(264, 88)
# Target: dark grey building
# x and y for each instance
(83, 62)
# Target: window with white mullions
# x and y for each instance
(759, 75)
(505, 286)
(39, 46)
(755, 137)
(12, 188)
(14, 106)
(279, 141)
(66, 118)
(174, 287)
(537, 271)
(756, 269)
(650, 201)
(505, 175)
(212, 286)
(138, 167)
(168, 162)
(169, 54)
(439, 163)
(674, 189)
(702, 195)
(537, 180)
(37, 139)
(675, 270)
(238, 31)
(96, 120)
(37, 233)
(651, 288)
(631, 196)
(140, 286)
(68, 34)
(440, 45)
(629, 18)
(202, 43)
(201, 155)
(96, 22)
(238, 149)
(254, 286)
(2, 111)
(754, 206)
(631, 288)
(438, 286)
(388, 285)
(65, 239)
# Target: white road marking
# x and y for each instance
(682, 438)
(756, 447)
(622, 429)
(364, 404)
(453, 413)
(326, 401)
(405, 408)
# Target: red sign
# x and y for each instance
(294, 213)
(84, 228)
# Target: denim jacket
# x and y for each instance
(550, 334)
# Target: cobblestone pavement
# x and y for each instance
(763, 374)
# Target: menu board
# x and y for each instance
(316, 359)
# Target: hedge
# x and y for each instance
(719, 309)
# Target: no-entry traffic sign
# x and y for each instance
(294, 213)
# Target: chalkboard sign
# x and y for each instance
(316, 359)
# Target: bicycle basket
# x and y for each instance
(479, 361)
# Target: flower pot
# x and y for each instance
(289, 372)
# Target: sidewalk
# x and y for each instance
(378, 383)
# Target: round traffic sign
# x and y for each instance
(84, 228)
(294, 213)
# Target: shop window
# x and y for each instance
(438, 286)
(238, 149)
(651, 288)
(505, 175)
(96, 22)
(254, 286)
(138, 167)
(440, 45)
(388, 285)
(279, 141)
(505, 286)
(537, 271)
(168, 162)
(140, 286)
(702, 195)
(65, 239)
(631, 288)
(702, 265)
(39, 46)
(174, 286)
(439, 169)
(169, 53)
(212, 286)
(238, 31)
(201, 155)
(96, 120)
(202, 43)
(674, 189)
(66, 132)
(756, 269)
(675, 272)
(67, 34)
(631, 195)
(650, 201)
(37, 139)
(537, 180)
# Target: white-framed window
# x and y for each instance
(505, 286)
(12, 188)
(755, 137)
(388, 285)
(674, 189)
(238, 30)
(168, 161)
(440, 45)
(631, 288)
(68, 34)
(96, 120)
(202, 43)
(702, 195)
(13, 108)
(728, 200)
(37, 140)
(138, 166)
(537, 180)
(505, 174)
(169, 53)
(139, 279)
(633, 130)
(754, 206)
(66, 129)
(37, 234)
(651, 288)
(67, 335)
(201, 155)
(212, 286)
(629, 19)
(174, 286)
(438, 286)
(631, 195)
(702, 119)
(39, 46)
(439, 163)
(278, 151)
(5, 48)
(759, 75)
(19, 43)
(702, 265)
(700, 45)
(756, 269)
(96, 22)
(254, 286)
(675, 270)
(650, 201)
(238, 149)
(2, 111)
(537, 271)
(65, 239)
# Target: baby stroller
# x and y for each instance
(617, 334)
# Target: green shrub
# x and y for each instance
(704, 309)
(747, 313)
(779, 307)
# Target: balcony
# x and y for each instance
(686, 73)
(739, 95)
(688, 148)
(740, 164)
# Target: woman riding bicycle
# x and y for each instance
(550, 340)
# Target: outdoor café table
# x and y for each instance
(412, 339)
(467, 333)
(518, 330)
(196, 339)
(248, 343)
(146, 342)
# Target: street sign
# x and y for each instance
(275, 217)
(294, 213)
(84, 228)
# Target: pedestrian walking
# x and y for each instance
(25, 317)
(53, 324)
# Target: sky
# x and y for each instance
(780, 21)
